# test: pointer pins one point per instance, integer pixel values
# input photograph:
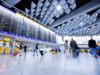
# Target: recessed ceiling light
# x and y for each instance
(59, 7)
(81, 24)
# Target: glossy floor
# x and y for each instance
(59, 64)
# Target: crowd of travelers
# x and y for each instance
(75, 50)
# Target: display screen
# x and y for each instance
(19, 26)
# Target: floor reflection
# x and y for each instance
(59, 64)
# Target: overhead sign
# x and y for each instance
(7, 39)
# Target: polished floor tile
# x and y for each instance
(49, 64)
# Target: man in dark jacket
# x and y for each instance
(73, 46)
(25, 49)
(92, 44)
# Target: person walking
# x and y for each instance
(21, 47)
(66, 46)
(92, 44)
(35, 51)
(73, 46)
(25, 49)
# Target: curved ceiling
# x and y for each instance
(65, 17)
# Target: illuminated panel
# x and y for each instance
(31, 21)
(7, 39)
(21, 26)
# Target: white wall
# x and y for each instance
(82, 39)
(59, 39)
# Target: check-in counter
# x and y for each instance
(0, 50)
(7, 50)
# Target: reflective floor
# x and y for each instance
(49, 64)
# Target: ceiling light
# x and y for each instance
(81, 24)
(59, 7)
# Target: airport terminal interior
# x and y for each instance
(49, 37)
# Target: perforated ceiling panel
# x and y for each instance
(64, 17)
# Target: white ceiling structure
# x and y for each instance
(64, 17)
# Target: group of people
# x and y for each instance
(25, 48)
(35, 50)
(73, 45)
(75, 49)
